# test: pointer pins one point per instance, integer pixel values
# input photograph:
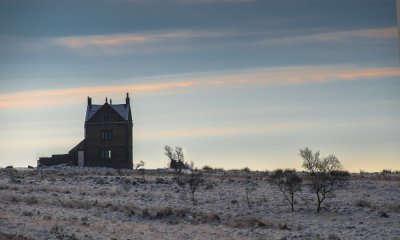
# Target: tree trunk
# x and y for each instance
(292, 203)
(248, 200)
(194, 202)
(319, 203)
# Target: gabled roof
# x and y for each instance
(121, 109)
(91, 110)
(79, 146)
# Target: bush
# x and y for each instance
(363, 203)
(32, 200)
(207, 168)
(249, 222)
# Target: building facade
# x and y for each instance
(108, 137)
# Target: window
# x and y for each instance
(106, 114)
(106, 154)
(106, 135)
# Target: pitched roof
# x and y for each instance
(91, 110)
(121, 109)
(79, 146)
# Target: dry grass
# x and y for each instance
(81, 201)
(250, 222)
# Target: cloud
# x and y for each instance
(217, 131)
(178, 40)
(335, 36)
(177, 83)
(114, 40)
(212, 1)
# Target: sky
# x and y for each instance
(236, 83)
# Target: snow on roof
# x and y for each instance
(121, 109)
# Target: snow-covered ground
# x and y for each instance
(73, 203)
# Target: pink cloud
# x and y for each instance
(115, 40)
(274, 76)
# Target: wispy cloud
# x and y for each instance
(174, 84)
(113, 40)
(212, 1)
(335, 36)
(218, 131)
(181, 39)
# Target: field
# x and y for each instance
(71, 203)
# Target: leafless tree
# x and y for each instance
(140, 168)
(10, 171)
(250, 187)
(39, 173)
(193, 182)
(326, 174)
(177, 160)
(288, 182)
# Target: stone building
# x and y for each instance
(108, 138)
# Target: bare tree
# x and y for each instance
(177, 160)
(140, 168)
(39, 173)
(193, 182)
(10, 171)
(288, 182)
(250, 187)
(326, 174)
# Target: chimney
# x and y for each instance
(110, 101)
(127, 99)
(89, 101)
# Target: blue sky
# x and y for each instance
(235, 82)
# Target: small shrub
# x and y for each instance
(395, 208)
(283, 226)
(14, 199)
(126, 185)
(60, 233)
(206, 218)
(27, 214)
(32, 200)
(161, 181)
(75, 204)
(363, 203)
(333, 236)
(145, 213)
(250, 187)
(249, 222)
(193, 182)
(207, 168)
(383, 214)
(164, 213)
(209, 186)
